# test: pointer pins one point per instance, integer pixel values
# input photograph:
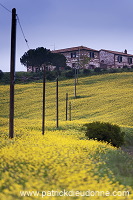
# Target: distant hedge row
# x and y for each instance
(26, 77)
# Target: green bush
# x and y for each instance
(69, 74)
(86, 71)
(125, 67)
(5, 79)
(97, 69)
(50, 75)
(105, 132)
(68, 68)
(113, 70)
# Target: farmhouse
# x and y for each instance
(38, 69)
(114, 59)
(80, 57)
(86, 58)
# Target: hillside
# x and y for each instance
(63, 158)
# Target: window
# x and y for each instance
(91, 66)
(73, 55)
(91, 54)
(119, 59)
(37, 69)
(129, 61)
(73, 65)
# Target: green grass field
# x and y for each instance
(63, 159)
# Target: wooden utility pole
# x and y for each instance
(66, 105)
(57, 105)
(12, 73)
(75, 83)
(77, 75)
(78, 63)
(70, 117)
(44, 96)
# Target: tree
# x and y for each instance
(36, 57)
(84, 60)
(58, 60)
(1, 74)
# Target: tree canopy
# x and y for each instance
(58, 60)
(84, 59)
(1, 74)
(37, 57)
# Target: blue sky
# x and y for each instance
(98, 24)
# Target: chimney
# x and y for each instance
(125, 51)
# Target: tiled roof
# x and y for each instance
(116, 52)
(73, 49)
(89, 49)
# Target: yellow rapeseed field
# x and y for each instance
(63, 164)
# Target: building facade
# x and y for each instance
(80, 57)
(40, 69)
(114, 59)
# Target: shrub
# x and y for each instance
(114, 70)
(97, 69)
(69, 74)
(68, 68)
(86, 71)
(125, 67)
(105, 132)
(50, 75)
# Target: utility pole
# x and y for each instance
(78, 63)
(70, 117)
(75, 83)
(12, 73)
(57, 105)
(66, 106)
(44, 96)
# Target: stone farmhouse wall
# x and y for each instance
(106, 58)
(38, 69)
(76, 55)
(77, 60)
(124, 62)
(103, 58)
(112, 59)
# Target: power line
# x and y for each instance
(18, 23)
(22, 32)
(5, 8)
